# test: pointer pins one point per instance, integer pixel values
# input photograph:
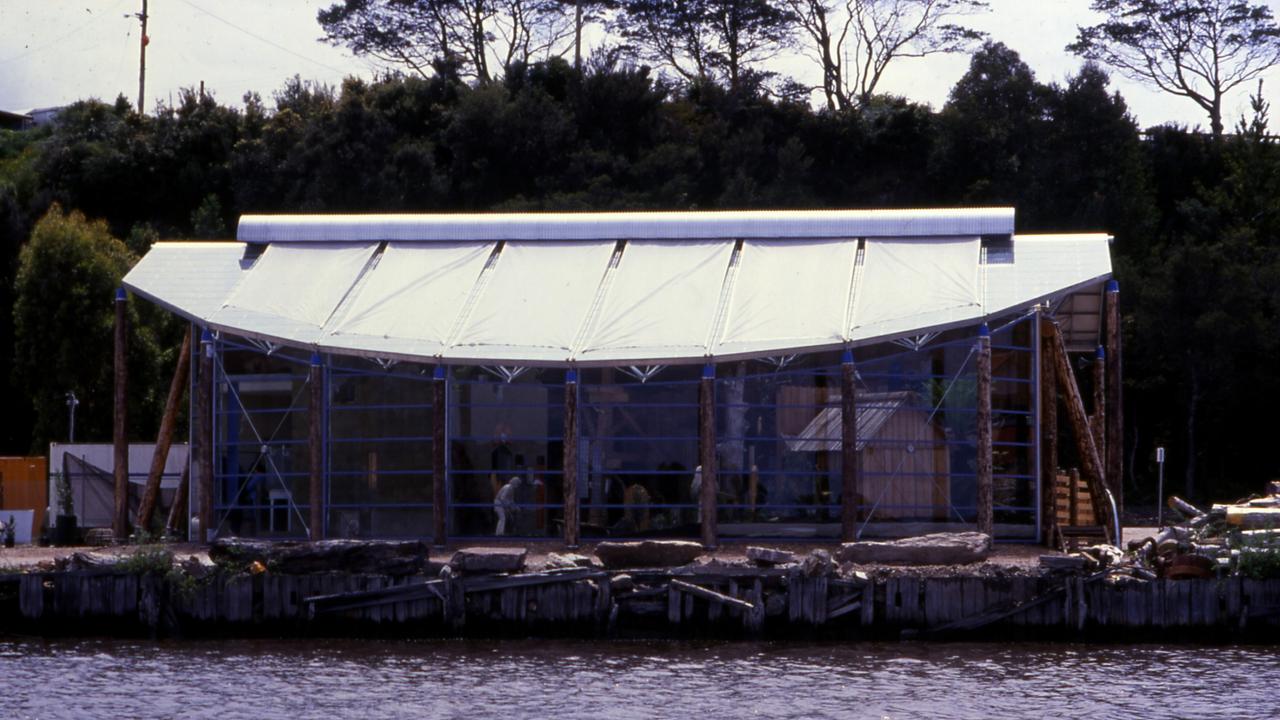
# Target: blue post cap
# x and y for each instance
(847, 357)
(316, 361)
(438, 373)
(206, 335)
(984, 331)
(1102, 353)
(708, 371)
(1113, 285)
(570, 376)
(120, 295)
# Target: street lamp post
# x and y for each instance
(72, 402)
(1160, 488)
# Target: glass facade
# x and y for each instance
(261, 461)
(778, 424)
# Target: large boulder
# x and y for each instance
(769, 556)
(566, 561)
(935, 549)
(300, 558)
(489, 559)
(647, 553)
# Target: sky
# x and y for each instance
(53, 52)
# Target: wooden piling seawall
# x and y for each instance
(690, 601)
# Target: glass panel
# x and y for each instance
(506, 453)
(639, 450)
(380, 451)
(778, 443)
(261, 463)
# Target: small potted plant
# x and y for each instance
(65, 531)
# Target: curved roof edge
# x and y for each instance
(693, 225)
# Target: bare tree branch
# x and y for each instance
(1197, 49)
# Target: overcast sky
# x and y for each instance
(53, 52)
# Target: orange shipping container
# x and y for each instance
(24, 485)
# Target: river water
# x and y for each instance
(619, 680)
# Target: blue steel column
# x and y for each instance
(326, 437)
(569, 463)
(439, 455)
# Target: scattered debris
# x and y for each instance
(817, 563)
(1074, 562)
(1238, 538)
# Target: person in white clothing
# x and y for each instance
(505, 505)
(695, 490)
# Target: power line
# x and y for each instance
(260, 38)
(64, 36)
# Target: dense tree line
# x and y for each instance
(1196, 218)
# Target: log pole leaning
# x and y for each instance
(177, 519)
(1087, 451)
(164, 439)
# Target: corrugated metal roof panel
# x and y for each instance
(824, 431)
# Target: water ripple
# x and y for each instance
(299, 680)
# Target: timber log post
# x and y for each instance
(204, 437)
(120, 436)
(1115, 395)
(315, 445)
(570, 463)
(1048, 433)
(1098, 422)
(986, 499)
(707, 453)
(849, 475)
(439, 456)
(164, 438)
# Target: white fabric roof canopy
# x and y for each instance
(526, 293)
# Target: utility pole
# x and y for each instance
(142, 59)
